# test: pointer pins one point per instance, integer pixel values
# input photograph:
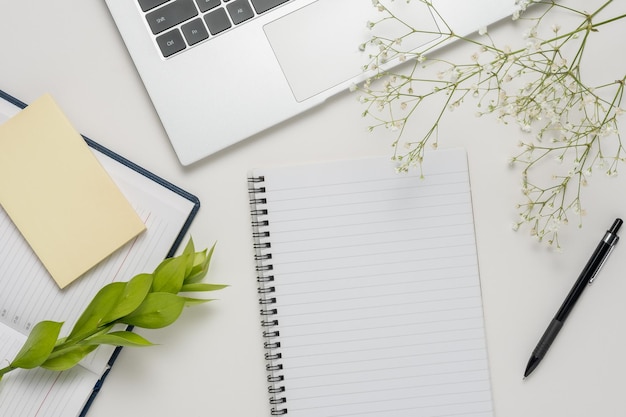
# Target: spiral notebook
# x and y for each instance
(369, 289)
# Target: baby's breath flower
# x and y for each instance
(560, 113)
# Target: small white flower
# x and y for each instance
(482, 30)
(531, 32)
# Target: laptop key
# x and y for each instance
(150, 4)
(217, 21)
(194, 31)
(264, 5)
(206, 5)
(240, 11)
(171, 42)
(170, 15)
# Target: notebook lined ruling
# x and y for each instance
(369, 289)
(28, 294)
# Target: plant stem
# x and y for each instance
(6, 370)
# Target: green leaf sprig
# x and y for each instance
(150, 301)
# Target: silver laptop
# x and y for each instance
(219, 71)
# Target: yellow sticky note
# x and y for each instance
(58, 195)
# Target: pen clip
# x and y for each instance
(593, 277)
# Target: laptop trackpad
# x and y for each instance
(318, 45)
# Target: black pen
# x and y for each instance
(587, 276)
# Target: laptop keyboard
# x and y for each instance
(179, 24)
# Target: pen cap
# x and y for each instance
(616, 225)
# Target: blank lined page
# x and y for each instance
(376, 288)
(28, 293)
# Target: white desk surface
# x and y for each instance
(210, 363)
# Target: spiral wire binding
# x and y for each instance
(265, 279)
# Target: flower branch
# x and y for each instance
(539, 86)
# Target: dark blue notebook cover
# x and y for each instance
(184, 194)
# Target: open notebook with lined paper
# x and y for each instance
(28, 294)
(369, 287)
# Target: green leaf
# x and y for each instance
(201, 287)
(189, 248)
(189, 253)
(68, 357)
(135, 291)
(93, 316)
(38, 345)
(190, 301)
(169, 275)
(121, 338)
(202, 260)
(158, 310)
(60, 341)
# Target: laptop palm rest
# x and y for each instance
(318, 48)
